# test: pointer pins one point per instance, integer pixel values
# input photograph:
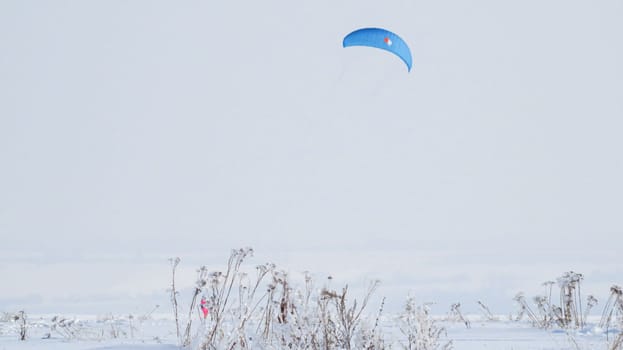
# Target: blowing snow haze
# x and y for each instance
(131, 132)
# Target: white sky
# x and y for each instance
(132, 131)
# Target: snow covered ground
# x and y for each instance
(91, 332)
(511, 335)
(158, 333)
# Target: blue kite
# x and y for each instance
(381, 39)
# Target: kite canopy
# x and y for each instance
(381, 39)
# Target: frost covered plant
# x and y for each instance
(617, 343)
(289, 318)
(267, 311)
(614, 310)
(591, 302)
(349, 316)
(456, 315)
(279, 305)
(20, 318)
(568, 313)
(373, 338)
(543, 309)
(246, 298)
(526, 310)
(613, 307)
(328, 336)
(421, 330)
(115, 329)
(306, 319)
(487, 313)
(174, 293)
(570, 299)
(71, 329)
(201, 282)
(220, 288)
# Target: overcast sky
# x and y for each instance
(132, 131)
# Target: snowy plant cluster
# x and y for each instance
(261, 307)
(564, 309)
(420, 328)
(98, 328)
(264, 310)
(14, 323)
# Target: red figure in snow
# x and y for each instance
(204, 306)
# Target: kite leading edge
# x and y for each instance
(381, 39)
